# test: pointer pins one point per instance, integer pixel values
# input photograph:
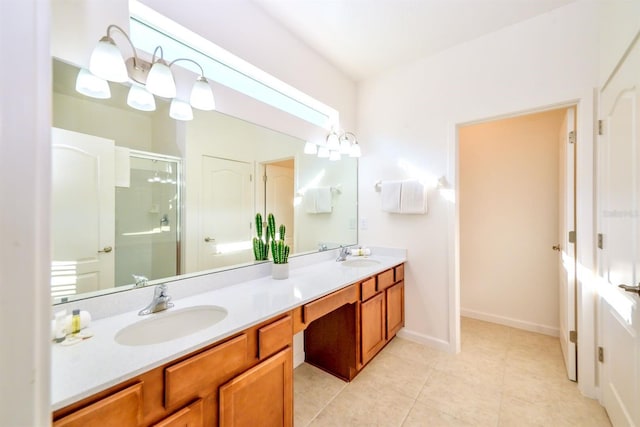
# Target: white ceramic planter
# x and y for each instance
(280, 271)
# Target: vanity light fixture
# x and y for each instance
(91, 85)
(147, 78)
(335, 145)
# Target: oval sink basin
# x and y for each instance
(360, 262)
(170, 325)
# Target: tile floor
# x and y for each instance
(502, 377)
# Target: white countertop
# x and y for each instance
(81, 370)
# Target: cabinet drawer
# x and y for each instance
(368, 288)
(274, 337)
(399, 270)
(385, 279)
(318, 308)
(199, 374)
(191, 416)
(123, 408)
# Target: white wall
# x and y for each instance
(509, 215)
(410, 114)
(25, 132)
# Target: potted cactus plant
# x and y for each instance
(261, 242)
(280, 253)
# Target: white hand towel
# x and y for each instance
(318, 200)
(413, 198)
(390, 196)
(323, 200)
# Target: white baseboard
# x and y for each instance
(427, 340)
(514, 323)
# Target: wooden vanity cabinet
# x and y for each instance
(373, 335)
(185, 392)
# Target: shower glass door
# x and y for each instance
(147, 224)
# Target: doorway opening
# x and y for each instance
(516, 208)
(279, 194)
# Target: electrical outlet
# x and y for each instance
(364, 223)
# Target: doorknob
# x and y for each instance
(209, 239)
(556, 247)
(632, 289)
(106, 250)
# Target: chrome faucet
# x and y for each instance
(141, 281)
(344, 251)
(159, 302)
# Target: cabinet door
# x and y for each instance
(262, 396)
(123, 408)
(372, 326)
(191, 416)
(395, 309)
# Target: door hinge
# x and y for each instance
(264, 178)
(250, 177)
(600, 127)
(572, 236)
(600, 354)
(573, 337)
(572, 137)
(600, 241)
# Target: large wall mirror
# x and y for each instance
(138, 197)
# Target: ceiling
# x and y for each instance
(366, 37)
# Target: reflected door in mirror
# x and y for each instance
(279, 196)
(226, 213)
(82, 213)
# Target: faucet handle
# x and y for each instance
(161, 290)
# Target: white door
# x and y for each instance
(619, 258)
(83, 208)
(567, 248)
(226, 213)
(279, 197)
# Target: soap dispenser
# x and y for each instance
(60, 326)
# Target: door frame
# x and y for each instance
(584, 105)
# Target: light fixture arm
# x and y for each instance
(189, 60)
(126, 36)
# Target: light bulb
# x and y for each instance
(355, 150)
(310, 148)
(140, 98)
(334, 156)
(333, 143)
(345, 145)
(180, 110)
(202, 96)
(91, 85)
(106, 61)
(323, 152)
(160, 81)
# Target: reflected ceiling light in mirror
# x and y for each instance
(355, 150)
(107, 63)
(140, 98)
(333, 141)
(323, 152)
(310, 148)
(91, 85)
(180, 110)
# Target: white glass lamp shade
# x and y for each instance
(355, 150)
(93, 86)
(202, 96)
(160, 81)
(334, 156)
(141, 99)
(310, 148)
(345, 145)
(323, 152)
(333, 143)
(107, 63)
(180, 110)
